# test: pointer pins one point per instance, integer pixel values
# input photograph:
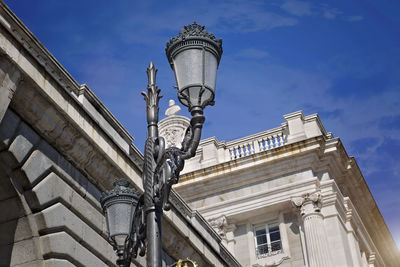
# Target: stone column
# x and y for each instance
(315, 236)
(226, 232)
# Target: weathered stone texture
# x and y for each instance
(10, 78)
(242, 245)
(62, 245)
(57, 263)
(292, 230)
(63, 208)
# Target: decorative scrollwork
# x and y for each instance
(148, 176)
(194, 31)
(121, 188)
(169, 165)
(138, 235)
(161, 166)
(185, 263)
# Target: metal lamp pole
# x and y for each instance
(152, 208)
(194, 56)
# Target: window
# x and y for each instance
(268, 240)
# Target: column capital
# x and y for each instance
(308, 203)
(314, 230)
(221, 225)
(225, 231)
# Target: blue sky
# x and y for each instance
(340, 59)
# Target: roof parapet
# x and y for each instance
(296, 128)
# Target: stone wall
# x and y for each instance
(52, 213)
(293, 234)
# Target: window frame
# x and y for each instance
(267, 227)
(273, 217)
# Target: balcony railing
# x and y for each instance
(296, 128)
(253, 144)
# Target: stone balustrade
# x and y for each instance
(296, 128)
(253, 144)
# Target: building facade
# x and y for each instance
(289, 196)
(59, 149)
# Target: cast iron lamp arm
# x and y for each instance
(137, 239)
(172, 160)
(196, 124)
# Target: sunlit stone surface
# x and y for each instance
(296, 178)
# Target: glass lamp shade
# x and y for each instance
(194, 56)
(195, 72)
(119, 221)
(119, 206)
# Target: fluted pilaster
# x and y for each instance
(315, 236)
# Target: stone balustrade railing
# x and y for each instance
(260, 142)
(296, 127)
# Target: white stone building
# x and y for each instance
(289, 196)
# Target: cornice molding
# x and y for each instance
(267, 198)
(95, 101)
(260, 159)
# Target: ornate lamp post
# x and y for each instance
(119, 207)
(194, 56)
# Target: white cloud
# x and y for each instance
(242, 16)
(304, 8)
(330, 12)
(227, 16)
(297, 8)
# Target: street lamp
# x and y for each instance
(194, 56)
(119, 207)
